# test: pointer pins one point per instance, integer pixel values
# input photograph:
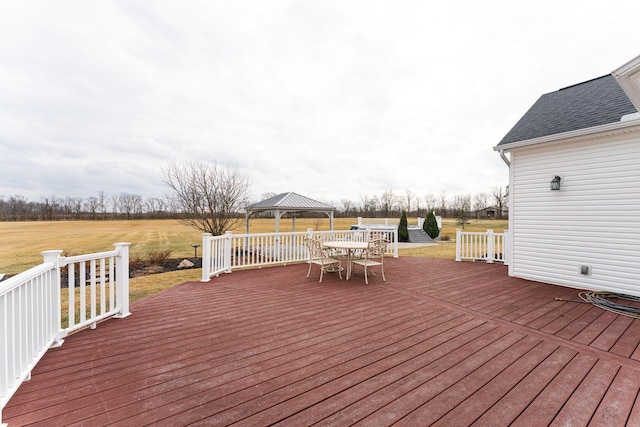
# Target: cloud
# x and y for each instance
(330, 99)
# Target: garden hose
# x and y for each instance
(602, 300)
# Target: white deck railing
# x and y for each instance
(31, 309)
(482, 246)
(223, 254)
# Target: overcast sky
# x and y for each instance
(330, 99)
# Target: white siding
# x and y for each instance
(593, 220)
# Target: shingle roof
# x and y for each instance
(289, 200)
(592, 103)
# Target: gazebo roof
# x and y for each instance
(290, 202)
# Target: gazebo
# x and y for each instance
(289, 203)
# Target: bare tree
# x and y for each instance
(369, 205)
(409, 198)
(430, 202)
(210, 196)
(348, 207)
(77, 206)
(155, 207)
(500, 197)
(461, 205)
(102, 203)
(388, 201)
(480, 202)
(115, 202)
(443, 204)
(128, 204)
(49, 206)
(71, 206)
(91, 206)
(17, 207)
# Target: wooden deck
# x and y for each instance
(440, 343)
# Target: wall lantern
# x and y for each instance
(555, 183)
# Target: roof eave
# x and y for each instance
(579, 133)
(628, 77)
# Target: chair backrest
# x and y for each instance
(376, 248)
(315, 248)
(377, 235)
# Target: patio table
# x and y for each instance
(350, 246)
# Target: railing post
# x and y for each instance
(490, 251)
(55, 258)
(458, 244)
(506, 247)
(395, 243)
(122, 279)
(206, 257)
(310, 236)
(227, 251)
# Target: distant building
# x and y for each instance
(491, 212)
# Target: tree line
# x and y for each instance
(491, 204)
(99, 207)
(212, 198)
(128, 206)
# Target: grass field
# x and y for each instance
(22, 243)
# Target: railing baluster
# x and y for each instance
(112, 298)
(103, 293)
(72, 295)
(262, 249)
(92, 290)
(83, 289)
(487, 246)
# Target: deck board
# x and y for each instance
(439, 343)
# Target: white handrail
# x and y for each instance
(27, 325)
(481, 246)
(223, 254)
(30, 308)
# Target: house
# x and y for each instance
(491, 212)
(574, 185)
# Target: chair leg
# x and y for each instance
(366, 279)
(384, 279)
(309, 272)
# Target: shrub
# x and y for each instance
(403, 230)
(153, 257)
(430, 225)
(157, 257)
(137, 262)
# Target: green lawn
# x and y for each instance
(22, 242)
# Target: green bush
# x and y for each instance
(430, 225)
(403, 230)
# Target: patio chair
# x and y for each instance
(373, 256)
(322, 257)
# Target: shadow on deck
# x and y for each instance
(440, 343)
